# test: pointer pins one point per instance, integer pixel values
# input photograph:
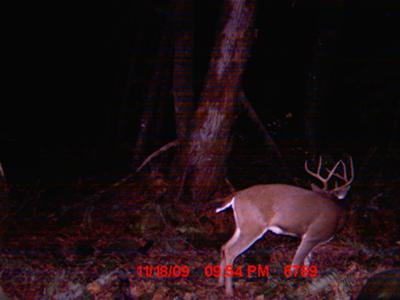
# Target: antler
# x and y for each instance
(343, 177)
(318, 173)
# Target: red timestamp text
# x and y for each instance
(300, 271)
(163, 271)
(215, 271)
(240, 271)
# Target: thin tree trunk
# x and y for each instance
(183, 66)
(4, 193)
(268, 140)
(210, 140)
(260, 126)
(158, 90)
(182, 84)
(393, 144)
(313, 106)
(318, 82)
(123, 118)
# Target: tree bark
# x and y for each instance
(209, 142)
(393, 144)
(260, 126)
(268, 140)
(319, 77)
(183, 66)
(158, 90)
(4, 196)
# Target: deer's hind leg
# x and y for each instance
(223, 256)
(239, 243)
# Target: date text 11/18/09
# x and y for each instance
(183, 271)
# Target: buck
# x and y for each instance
(313, 215)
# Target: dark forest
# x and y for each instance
(186, 149)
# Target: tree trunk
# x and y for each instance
(205, 152)
(158, 90)
(4, 192)
(268, 140)
(394, 136)
(320, 73)
(183, 67)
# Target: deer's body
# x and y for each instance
(306, 207)
(311, 215)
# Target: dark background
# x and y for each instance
(69, 111)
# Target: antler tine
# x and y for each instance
(319, 164)
(344, 171)
(344, 177)
(308, 170)
(351, 171)
(317, 174)
(332, 172)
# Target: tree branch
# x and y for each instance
(260, 126)
(156, 153)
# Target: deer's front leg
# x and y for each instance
(303, 253)
(222, 268)
(307, 260)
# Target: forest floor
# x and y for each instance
(121, 245)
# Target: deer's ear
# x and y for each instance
(342, 193)
(316, 188)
